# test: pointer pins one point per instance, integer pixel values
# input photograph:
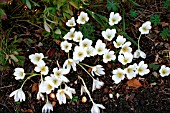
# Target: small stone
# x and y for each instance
(111, 95)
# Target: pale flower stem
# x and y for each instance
(47, 98)
(85, 71)
(139, 40)
(28, 79)
(58, 64)
(87, 89)
(86, 65)
(68, 55)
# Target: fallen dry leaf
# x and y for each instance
(134, 83)
(34, 87)
(27, 111)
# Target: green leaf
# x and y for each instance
(133, 13)
(155, 19)
(74, 99)
(134, 3)
(154, 66)
(166, 3)
(112, 5)
(75, 4)
(28, 4)
(165, 33)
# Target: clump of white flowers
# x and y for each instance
(81, 49)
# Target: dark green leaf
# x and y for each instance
(154, 66)
(165, 33)
(112, 5)
(133, 13)
(155, 19)
(28, 4)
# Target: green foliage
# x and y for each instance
(155, 19)
(113, 5)
(29, 3)
(166, 3)
(165, 33)
(87, 31)
(74, 99)
(133, 13)
(154, 66)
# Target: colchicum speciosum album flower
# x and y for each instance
(47, 107)
(85, 43)
(47, 87)
(100, 47)
(69, 63)
(114, 18)
(97, 84)
(79, 53)
(108, 56)
(37, 58)
(66, 46)
(19, 73)
(71, 22)
(126, 48)
(119, 41)
(42, 69)
(164, 71)
(53, 80)
(109, 34)
(98, 70)
(70, 35)
(78, 36)
(118, 75)
(82, 18)
(125, 58)
(142, 68)
(95, 108)
(144, 29)
(130, 71)
(138, 53)
(90, 51)
(18, 94)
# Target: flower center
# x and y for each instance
(82, 19)
(57, 73)
(80, 54)
(62, 92)
(38, 58)
(163, 72)
(66, 46)
(113, 20)
(69, 62)
(72, 36)
(119, 74)
(108, 56)
(144, 28)
(21, 74)
(108, 36)
(49, 87)
(124, 49)
(43, 69)
(54, 81)
(140, 70)
(99, 50)
(85, 45)
(125, 60)
(129, 70)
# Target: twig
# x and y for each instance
(6, 107)
(6, 86)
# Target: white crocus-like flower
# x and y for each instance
(19, 73)
(97, 84)
(100, 47)
(37, 58)
(118, 75)
(78, 36)
(126, 48)
(144, 29)
(95, 108)
(114, 18)
(47, 107)
(71, 22)
(18, 94)
(66, 46)
(69, 63)
(59, 73)
(109, 34)
(125, 58)
(82, 18)
(138, 53)
(70, 35)
(53, 80)
(69, 89)
(40, 96)
(164, 71)
(85, 43)
(108, 56)
(130, 71)
(61, 97)
(79, 53)
(47, 87)
(119, 41)
(98, 70)
(142, 68)
(42, 69)
(90, 51)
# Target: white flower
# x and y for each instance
(47, 108)
(130, 71)
(18, 94)
(109, 34)
(66, 46)
(47, 87)
(90, 51)
(40, 96)
(98, 70)
(95, 108)
(42, 69)
(71, 22)
(85, 43)
(119, 41)
(53, 80)
(138, 53)
(164, 71)
(19, 73)
(126, 48)
(78, 36)
(100, 47)
(114, 18)
(142, 68)
(118, 75)
(69, 89)
(82, 18)
(144, 29)
(79, 53)
(37, 58)
(108, 56)
(125, 58)
(69, 63)
(97, 84)
(61, 97)
(70, 35)
(59, 73)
